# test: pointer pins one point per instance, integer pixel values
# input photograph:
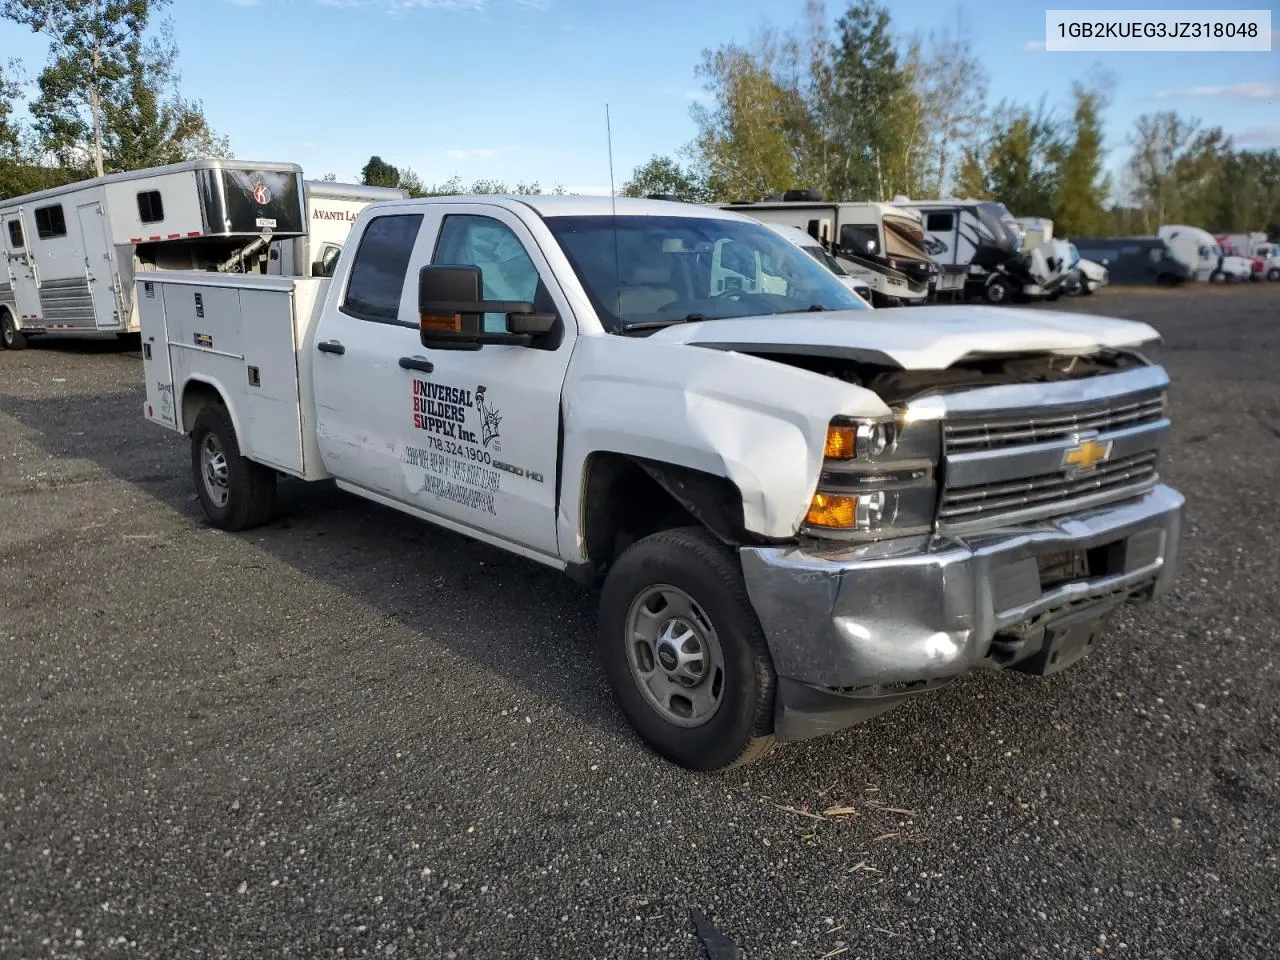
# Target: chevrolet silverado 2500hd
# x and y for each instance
(799, 512)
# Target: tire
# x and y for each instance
(10, 335)
(689, 568)
(998, 291)
(247, 497)
(1217, 277)
(1273, 273)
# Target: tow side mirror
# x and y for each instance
(451, 310)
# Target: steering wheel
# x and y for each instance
(735, 295)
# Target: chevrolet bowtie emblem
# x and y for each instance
(1085, 455)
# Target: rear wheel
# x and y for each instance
(10, 335)
(1217, 277)
(236, 493)
(1273, 273)
(684, 652)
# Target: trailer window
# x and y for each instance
(15, 235)
(940, 222)
(377, 273)
(50, 222)
(150, 207)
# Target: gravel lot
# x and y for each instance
(350, 734)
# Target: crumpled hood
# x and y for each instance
(915, 338)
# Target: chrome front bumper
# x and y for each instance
(878, 620)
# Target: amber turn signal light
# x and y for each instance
(840, 443)
(832, 510)
(440, 322)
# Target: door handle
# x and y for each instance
(417, 363)
(331, 346)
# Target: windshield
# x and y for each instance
(826, 259)
(651, 271)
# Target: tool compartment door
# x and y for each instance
(238, 337)
(157, 371)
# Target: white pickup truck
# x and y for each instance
(800, 512)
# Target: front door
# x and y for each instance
(97, 265)
(468, 435)
(19, 266)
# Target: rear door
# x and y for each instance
(19, 266)
(99, 271)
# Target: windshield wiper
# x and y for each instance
(811, 308)
(652, 324)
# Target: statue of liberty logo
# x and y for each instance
(489, 420)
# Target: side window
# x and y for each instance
(15, 234)
(378, 271)
(940, 222)
(150, 207)
(1155, 254)
(50, 222)
(505, 268)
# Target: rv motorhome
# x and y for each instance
(1132, 260)
(875, 242)
(980, 241)
(331, 210)
(71, 253)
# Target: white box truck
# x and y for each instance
(799, 512)
(71, 253)
(332, 208)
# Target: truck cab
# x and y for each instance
(797, 514)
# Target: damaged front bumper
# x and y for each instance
(854, 630)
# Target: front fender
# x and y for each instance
(758, 423)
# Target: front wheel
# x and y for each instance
(1273, 273)
(684, 652)
(999, 290)
(1217, 277)
(10, 335)
(236, 493)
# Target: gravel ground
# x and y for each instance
(349, 734)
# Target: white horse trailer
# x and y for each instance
(72, 253)
(332, 208)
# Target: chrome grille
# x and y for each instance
(964, 436)
(984, 501)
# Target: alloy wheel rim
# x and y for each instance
(214, 469)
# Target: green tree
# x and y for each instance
(742, 149)
(378, 173)
(146, 122)
(665, 175)
(950, 86)
(1083, 186)
(878, 113)
(93, 43)
(1159, 141)
(971, 178)
(1021, 160)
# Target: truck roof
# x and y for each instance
(574, 205)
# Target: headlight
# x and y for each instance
(878, 480)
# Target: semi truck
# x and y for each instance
(797, 513)
(71, 253)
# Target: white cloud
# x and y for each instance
(1268, 136)
(1256, 91)
(1032, 45)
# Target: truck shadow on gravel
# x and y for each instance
(523, 622)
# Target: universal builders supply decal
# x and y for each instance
(461, 435)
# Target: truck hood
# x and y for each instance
(928, 338)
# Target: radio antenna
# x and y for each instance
(613, 206)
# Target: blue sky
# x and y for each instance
(516, 89)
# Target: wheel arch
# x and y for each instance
(627, 497)
(199, 392)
